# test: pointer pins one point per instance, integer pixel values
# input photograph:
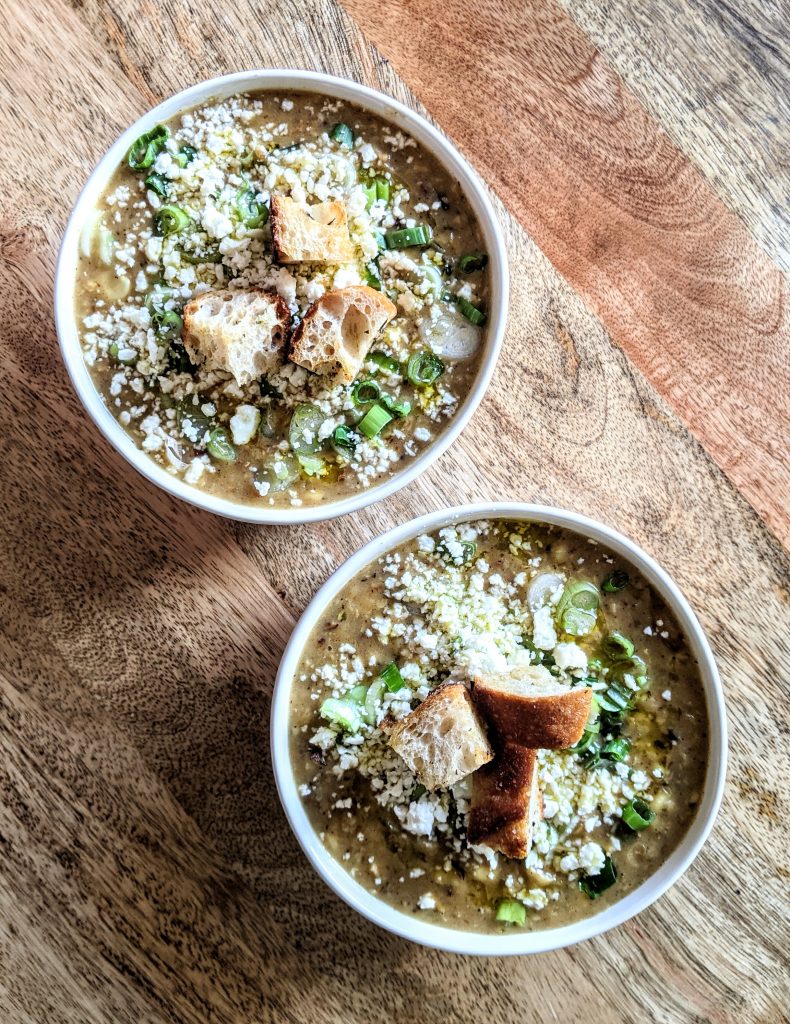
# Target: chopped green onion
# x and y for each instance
(169, 324)
(373, 275)
(577, 622)
(472, 313)
(616, 750)
(126, 356)
(342, 712)
(582, 594)
(303, 431)
(382, 189)
(185, 156)
(197, 258)
(637, 815)
(157, 184)
(594, 885)
(617, 646)
(219, 447)
(145, 150)
(396, 408)
(511, 912)
(393, 680)
(617, 580)
(588, 738)
(472, 261)
(282, 472)
(169, 219)
(312, 465)
(358, 694)
(403, 238)
(634, 667)
(252, 213)
(374, 420)
(380, 240)
(614, 700)
(372, 698)
(466, 555)
(385, 362)
(370, 193)
(344, 440)
(424, 368)
(343, 135)
(364, 392)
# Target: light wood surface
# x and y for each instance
(147, 873)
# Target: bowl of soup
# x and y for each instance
(281, 295)
(499, 730)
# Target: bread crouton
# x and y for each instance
(241, 332)
(442, 740)
(338, 330)
(506, 802)
(530, 707)
(310, 234)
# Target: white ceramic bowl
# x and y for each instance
(305, 81)
(417, 928)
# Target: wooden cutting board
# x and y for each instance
(147, 873)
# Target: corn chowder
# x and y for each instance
(282, 298)
(531, 838)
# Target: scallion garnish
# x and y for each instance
(372, 698)
(594, 885)
(472, 313)
(196, 258)
(303, 430)
(373, 275)
(424, 368)
(358, 693)
(364, 392)
(577, 611)
(157, 184)
(145, 150)
(343, 135)
(344, 713)
(463, 557)
(616, 646)
(472, 261)
(589, 737)
(312, 465)
(385, 362)
(393, 680)
(185, 156)
(170, 219)
(382, 189)
(616, 750)
(219, 447)
(615, 581)
(637, 815)
(374, 420)
(169, 325)
(252, 213)
(511, 912)
(398, 409)
(344, 440)
(403, 238)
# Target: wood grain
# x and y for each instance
(623, 215)
(147, 874)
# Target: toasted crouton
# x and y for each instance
(241, 332)
(506, 802)
(310, 234)
(530, 707)
(337, 331)
(441, 740)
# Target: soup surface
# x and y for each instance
(189, 213)
(488, 598)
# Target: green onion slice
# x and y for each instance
(169, 325)
(385, 362)
(617, 646)
(382, 189)
(393, 680)
(588, 738)
(467, 555)
(617, 580)
(358, 694)
(374, 420)
(303, 430)
(594, 885)
(364, 392)
(219, 446)
(634, 667)
(373, 275)
(372, 698)
(252, 213)
(616, 750)
(170, 219)
(145, 150)
(343, 135)
(404, 238)
(511, 912)
(185, 156)
(471, 312)
(399, 409)
(282, 472)
(577, 622)
(424, 368)
(341, 712)
(157, 184)
(637, 815)
(344, 441)
(472, 261)
(312, 465)
(197, 258)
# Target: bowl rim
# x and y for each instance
(299, 81)
(469, 942)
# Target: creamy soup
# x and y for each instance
(188, 212)
(488, 599)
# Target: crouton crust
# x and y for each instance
(539, 721)
(506, 801)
